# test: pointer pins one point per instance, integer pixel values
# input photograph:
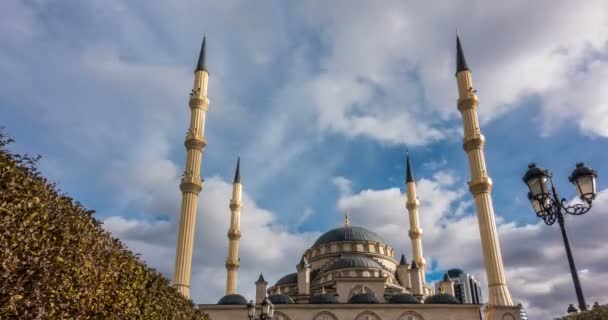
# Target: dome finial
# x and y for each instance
(346, 219)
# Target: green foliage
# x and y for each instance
(56, 261)
(596, 313)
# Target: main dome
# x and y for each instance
(348, 234)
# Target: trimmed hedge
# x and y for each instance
(57, 262)
(598, 312)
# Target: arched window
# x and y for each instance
(410, 315)
(367, 315)
(278, 315)
(324, 315)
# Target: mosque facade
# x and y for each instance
(349, 272)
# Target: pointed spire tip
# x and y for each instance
(237, 173)
(201, 64)
(461, 62)
(261, 278)
(414, 265)
(409, 176)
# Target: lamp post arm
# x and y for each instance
(576, 209)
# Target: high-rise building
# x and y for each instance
(467, 289)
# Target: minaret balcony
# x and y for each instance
(416, 233)
(412, 205)
(469, 101)
(191, 184)
(199, 101)
(475, 142)
(480, 185)
(232, 264)
(194, 141)
(235, 205)
(234, 234)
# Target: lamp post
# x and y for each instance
(550, 207)
(266, 312)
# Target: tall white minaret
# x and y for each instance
(480, 184)
(412, 205)
(191, 183)
(234, 233)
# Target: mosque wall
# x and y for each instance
(362, 312)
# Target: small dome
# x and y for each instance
(455, 273)
(323, 298)
(352, 262)
(441, 298)
(288, 279)
(233, 299)
(348, 234)
(364, 297)
(404, 298)
(280, 298)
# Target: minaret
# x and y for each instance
(191, 183)
(403, 273)
(260, 289)
(446, 285)
(416, 280)
(234, 233)
(412, 205)
(480, 184)
(303, 269)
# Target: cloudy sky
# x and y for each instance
(320, 101)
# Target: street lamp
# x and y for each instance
(548, 206)
(266, 312)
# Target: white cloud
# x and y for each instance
(344, 185)
(265, 246)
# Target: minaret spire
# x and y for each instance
(234, 232)
(191, 183)
(480, 187)
(412, 204)
(461, 62)
(237, 173)
(201, 64)
(409, 176)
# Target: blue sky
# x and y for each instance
(321, 102)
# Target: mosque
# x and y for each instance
(349, 272)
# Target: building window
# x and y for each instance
(324, 315)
